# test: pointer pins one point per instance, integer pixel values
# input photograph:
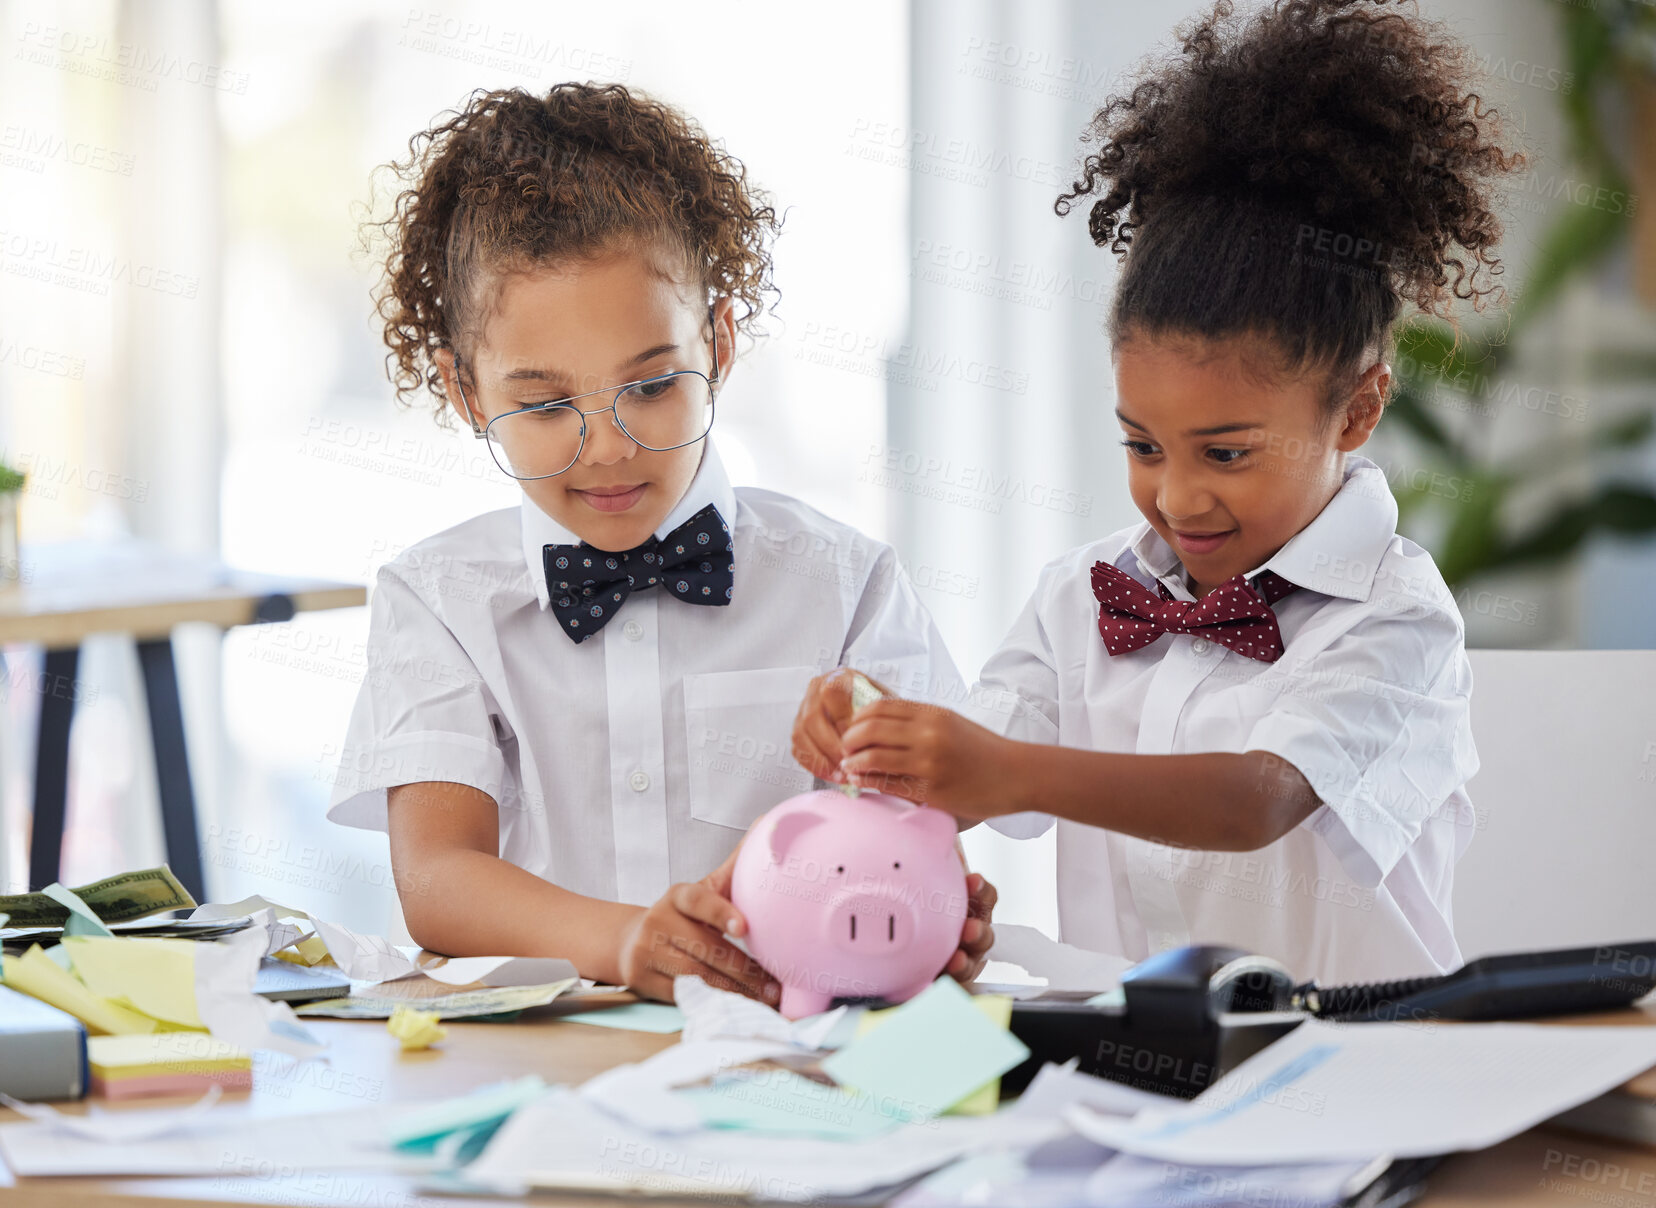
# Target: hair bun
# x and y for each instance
(1350, 119)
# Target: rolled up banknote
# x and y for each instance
(117, 899)
(864, 691)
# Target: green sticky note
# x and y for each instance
(420, 1130)
(997, 1009)
(933, 1051)
(781, 1102)
(658, 1017)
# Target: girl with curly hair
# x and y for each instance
(1250, 712)
(575, 707)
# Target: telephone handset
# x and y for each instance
(1182, 1017)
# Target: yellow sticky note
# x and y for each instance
(36, 974)
(160, 1054)
(415, 1029)
(155, 976)
(997, 1009)
(308, 951)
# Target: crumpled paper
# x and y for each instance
(710, 1013)
(415, 1029)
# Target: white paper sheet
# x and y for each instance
(225, 970)
(117, 1128)
(228, 1140)
(1064, 966)
(1330, 1092)
(1057, 1088)
(374, 959)
(363, 957)
(370, 958)
(1128, 1182)
(641, 1093)
(499, 970)
(563, 1141)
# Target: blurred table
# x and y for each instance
(71, 590)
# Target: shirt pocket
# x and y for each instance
(739, 728)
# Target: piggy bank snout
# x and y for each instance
(870, 923)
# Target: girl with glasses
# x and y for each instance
(575, 707)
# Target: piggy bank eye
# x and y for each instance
(896, 863)
(840, 868)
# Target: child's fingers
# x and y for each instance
(980, 902)
(719, 881)
(834, 700)
(876, 731)
(664, 962)
(889, 770)
(816, 746)
(669, 961)
(726, 966)
(706, 918)
(699, 901)
(890, 708)
(964, 967)
(765, 991)
(880, 760)
(817, 764)
(977, 938)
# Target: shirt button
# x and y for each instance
(639, 781)
(633, 630)
(1200, 646)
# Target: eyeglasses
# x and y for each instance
(659, 413)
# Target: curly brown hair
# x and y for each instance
(1298, 174)
(511, 180)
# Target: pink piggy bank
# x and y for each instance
(850, 897)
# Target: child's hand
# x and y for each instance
(822, 718)
(684, 932)
(978, 934)
(926, 753)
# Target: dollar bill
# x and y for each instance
(377, 1001)
(117, 899)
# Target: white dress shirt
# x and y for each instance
(1370, 701)
(637, 758)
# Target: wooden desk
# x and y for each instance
(1544, 1166)
(72, 590)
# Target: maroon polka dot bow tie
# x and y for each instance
(1232, 614)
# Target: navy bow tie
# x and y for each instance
(588, 586)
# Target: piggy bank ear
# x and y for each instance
(933, 823)
(788, 828)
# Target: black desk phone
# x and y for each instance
(1183, 1017)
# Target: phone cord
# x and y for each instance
(1334, 1002)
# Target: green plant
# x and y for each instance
(11, 481)
(1601, 42)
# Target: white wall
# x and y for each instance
(1565, 801)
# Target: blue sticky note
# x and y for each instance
(936, 1049)
(659, 1017)
(781, 1102)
